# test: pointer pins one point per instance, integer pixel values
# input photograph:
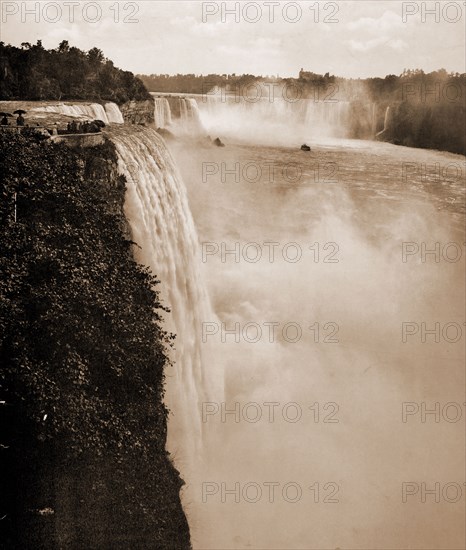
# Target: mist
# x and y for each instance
(357, 372)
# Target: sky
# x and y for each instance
(361, 38)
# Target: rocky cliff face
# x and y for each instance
(79, 140)
(429, 126)
(138, 112)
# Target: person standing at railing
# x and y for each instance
(20, 120)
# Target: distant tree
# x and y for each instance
(64, 47)
(95, 56)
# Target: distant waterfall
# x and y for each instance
(264, 119)
(386, 124)
(158, 212)
(178, 113)
(110, 114)
(162, 113)
(386, 119)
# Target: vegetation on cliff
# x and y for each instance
(83, 356)
(66, 73)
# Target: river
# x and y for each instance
(318, 265)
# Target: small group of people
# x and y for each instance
(86, 127)
(19, 121)
(73, 127)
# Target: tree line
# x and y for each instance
(66, 73)
(412, 85)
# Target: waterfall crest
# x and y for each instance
(264, 119)
(162, 113)
(178, 113)
(157, 209)
(114, 115)
(109, 114)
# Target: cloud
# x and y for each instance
(171, 38)
(364, 46)
(265, 42)
(195, 27)
(256, 46)
(387, 22)
(396, 44)
(373, 32)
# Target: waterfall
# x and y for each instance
(157, 209)
(386, 119)
(386, 123)
(268, 119)
(110, 114)
(162, 113)
(114, 115)
(265, 119)
(181, 114)
(185, 113)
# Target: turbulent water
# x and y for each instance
(178, 114)
(348, 206)
(267, 120)
(279, 119)
(157, 209)
(289, 276)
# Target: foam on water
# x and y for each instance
(157, 209)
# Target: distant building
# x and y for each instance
(314, 77)
(305, 75)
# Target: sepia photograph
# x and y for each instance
(232, 275)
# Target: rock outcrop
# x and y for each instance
(138, 112)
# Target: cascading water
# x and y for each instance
(273, 119)
(157, 209)
(178, 113)
(189, 120)
(162, 113)
(386, 123)
(110, 114)
(230, 451)
(114, 115)
(266, 119)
